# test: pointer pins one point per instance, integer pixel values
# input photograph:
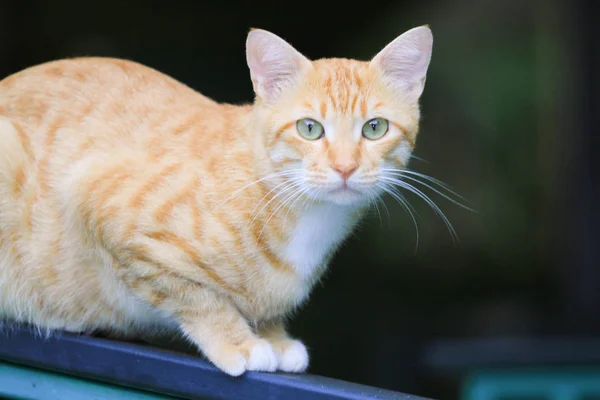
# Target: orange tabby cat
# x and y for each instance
(130, 202)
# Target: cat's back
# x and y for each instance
(92, 79)
(75, 108)
(117, 93)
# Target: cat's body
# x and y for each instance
(129, 202)
(171, 183)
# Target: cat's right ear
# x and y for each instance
(274, 64)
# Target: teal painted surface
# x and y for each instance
(559, 384)
(17, 382)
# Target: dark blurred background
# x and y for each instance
(509, 121)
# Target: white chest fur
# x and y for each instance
(318, 231)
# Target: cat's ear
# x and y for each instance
(403, 63)
(274, 64)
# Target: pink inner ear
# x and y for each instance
(405, 64)
(273, 63)
(406, 59)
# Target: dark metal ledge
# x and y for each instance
(169, 372)
(458, 355)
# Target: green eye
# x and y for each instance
(310, 129)
(375, 128)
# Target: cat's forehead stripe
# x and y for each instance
(363, 108)
(354, 101)
(323, 108)
(342, 83)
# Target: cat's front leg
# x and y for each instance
(292, 355)
(209, 320)
(226, 339)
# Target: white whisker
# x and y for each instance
(298, 197)
(270, 176)
(287, 186)
(387, 211)
(292, 185)
(418, 158)
(438, 192)
(398, 172)
(406, 205)
(373, 201)
(308, 199)
(427, 200)
(297, 193)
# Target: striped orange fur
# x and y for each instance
(131, 203)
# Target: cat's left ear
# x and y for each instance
(403, 63)
(274, 64)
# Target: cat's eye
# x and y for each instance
(310, 129)
(375, 129)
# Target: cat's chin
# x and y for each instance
(346, 197)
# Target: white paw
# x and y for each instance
(235, 367)
(230, 361)
(294, 357)
(262, 357)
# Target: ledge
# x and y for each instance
(169, 372)
(459, 355)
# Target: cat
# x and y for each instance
(131, 203)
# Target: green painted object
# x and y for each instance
(18, 382)
(533, 384)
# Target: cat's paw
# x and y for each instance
(261, 356)
(252, 355)
(292, 355)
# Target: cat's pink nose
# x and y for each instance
(345, 170)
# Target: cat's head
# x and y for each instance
(336, 129)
